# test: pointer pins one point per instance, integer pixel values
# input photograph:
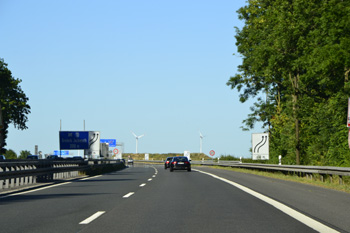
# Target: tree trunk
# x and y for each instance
(1, 130)
(295, 83)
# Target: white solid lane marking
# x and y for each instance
(128, 195)
(156, 171)
(88, 178)
(92, 218)
(31, 191)
(47, 187)
(287, 210)
(141, 185)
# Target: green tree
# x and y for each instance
(10, 154)
(23, 154)
(13, 104)
(296, 53)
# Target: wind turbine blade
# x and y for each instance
(134, 134)
(201, 135)
(141, 136)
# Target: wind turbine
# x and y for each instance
(200, 141)
(137, 138)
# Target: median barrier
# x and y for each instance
(17, 173)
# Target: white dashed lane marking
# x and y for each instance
(92, 218)
(128, 195)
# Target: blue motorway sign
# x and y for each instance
(111, 142)
(74, 140)
(62, 152)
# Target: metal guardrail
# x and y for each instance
(300, 170)
(16, 173)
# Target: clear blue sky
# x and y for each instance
(153, 67)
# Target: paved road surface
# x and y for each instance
(147, 198)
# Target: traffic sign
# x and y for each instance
(116, 151)
(111, 142)
(62, 152)
(260, 146)
(212, 152)
(74, 140)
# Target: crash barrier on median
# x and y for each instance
(302, 171)
(17, 173)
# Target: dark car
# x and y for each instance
(167, 162)
(54, 157)
(32, 156)
(180, 163)
(2, 157)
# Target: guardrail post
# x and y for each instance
(331, 178)
(26, 177)
(12, 181)
(17, 179)
(21, 180)
(30, 178)
(1, 181)
(322, 177)
(7, 181)
(340, 179)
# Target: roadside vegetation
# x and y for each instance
(316, 181)
(162, 157)
(14, 108)
(296, 66)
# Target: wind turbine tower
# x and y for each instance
(200, 142)
(137, 139)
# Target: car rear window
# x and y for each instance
(181, 159)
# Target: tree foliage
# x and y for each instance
(297, 54)
(23, 154)
(10, 154)
(13, 103)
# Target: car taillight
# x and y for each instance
(174, 162)
(187, 162)
(167, 162)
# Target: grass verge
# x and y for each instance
(345, 187)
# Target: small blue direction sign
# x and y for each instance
(62, 152)
(111, 142)
(74, 140)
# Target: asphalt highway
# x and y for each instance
(147, 198)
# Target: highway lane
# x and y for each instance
(184, 201)
(327, 206)
(146, 198)
(61, 208)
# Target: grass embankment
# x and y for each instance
(316, 181)
(194, 156)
